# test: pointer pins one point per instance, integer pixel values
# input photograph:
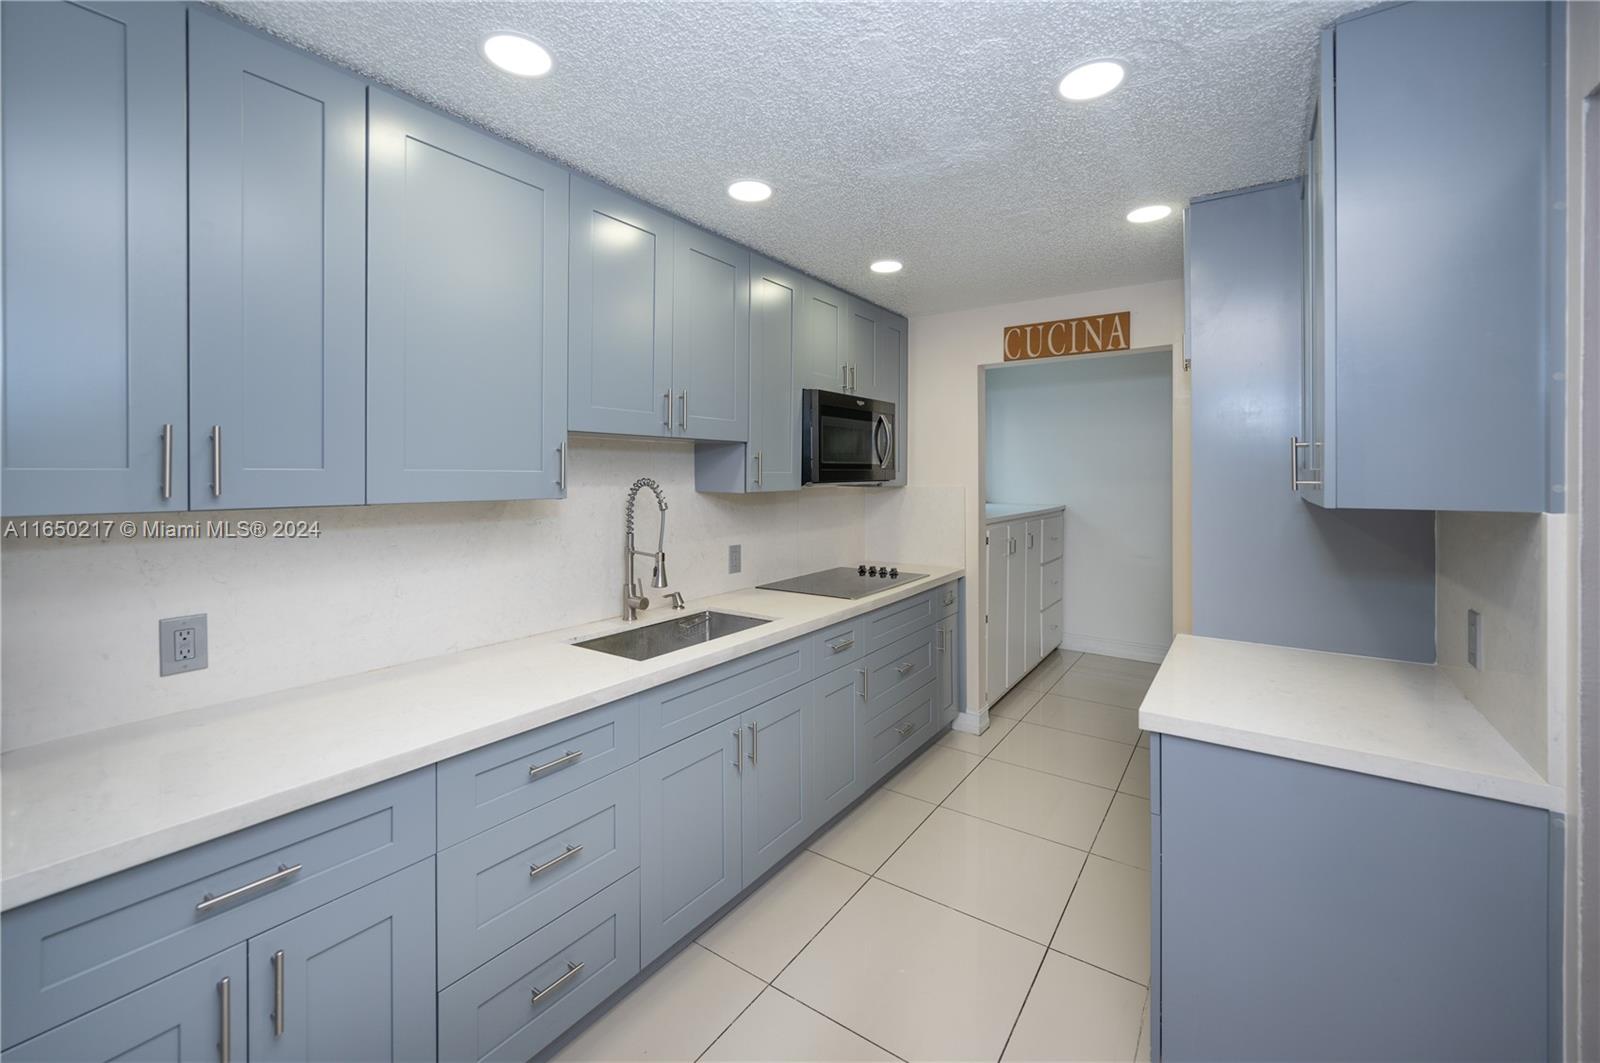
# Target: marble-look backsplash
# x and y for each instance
(382, 585)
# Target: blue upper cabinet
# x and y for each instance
(823, 314)
(711, 335)
(1431, 355)
(466, 312)
(776, 300)
(96, 390)
(277, 253)
(860, 349)
(622, 301)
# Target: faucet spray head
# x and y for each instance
(658, 578)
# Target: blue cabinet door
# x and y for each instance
(860, 348)
(944, 634)
(179, 1019)
(277, 253)
(776, 301)
(775, 805)
(466, 312)
(833, 755)
(711, 335)
(352, 980)
(622, 259)
(888, 357)
(823, 313)
(689, 863)
(95, 303)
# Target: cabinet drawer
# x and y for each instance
(1051, 577)
(897, 669)
(512, 1006)
(1049, 629)
(1055, 537)
(946, 599)
(495, 783)
(66, 954)
(695, 702)
(489, 893)
(897, 733)
(838, 645)
(896, 621)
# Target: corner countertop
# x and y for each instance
(1387, 718)
(993, 511)
(82, 808)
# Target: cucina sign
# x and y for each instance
(1073, 335)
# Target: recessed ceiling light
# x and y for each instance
(1091, 80)
(1154, 212)
(516, 54)
(750, 191)
(885, 265)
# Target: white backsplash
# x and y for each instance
(382, 585)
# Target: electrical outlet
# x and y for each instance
(735, 560)
(183, 644)
(1474, 639)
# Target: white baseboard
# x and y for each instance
(1133, 651)
(972, 723)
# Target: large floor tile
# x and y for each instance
(873, 829)
(1142, 1053)
(933, 773)
(1106, 689)
(980, 745)
(1046, 672)
(1099, 662)
(772, 925)
(1076, 756)
(1076, 1011)
(1062, 810)
(1002, 876)
(1108, 921)
(1144, 739)
(1136, 780)
(1125, 835)
(779, 1028)
(1110, 722)
(1016, 702)
(674, 1015)
(915, 977)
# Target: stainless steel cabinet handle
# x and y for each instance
(844, 378)
(572, 971)
(905, 729)
(225, 1046)
(752, 743)
(904, 668)
(863, 673)
(210, 901)
(950, 598)
(738, 749)
(1295, 483)
(561, 467)
(216, 461)
(942, 633)
(683, 410)
(277, 993)
(166, 462)
(1030, 540)
(852, 379)
(666, 408)
(567, 854)
(839, 645)
(758, 468)
(551, 765)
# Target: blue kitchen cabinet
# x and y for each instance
(689, 834)
(1432, 339)
(352, 980)
(184, 1018)
(711, 335)
(824, 312)
(946, 671)
(776, 808)
(891, 353)
(277, 253)
(466, 312)
(860, 348)
(834, 746)
(621, 312)
(95, 301)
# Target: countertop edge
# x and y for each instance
(1021, 513)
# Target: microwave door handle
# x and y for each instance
(881, 450)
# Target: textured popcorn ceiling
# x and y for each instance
(928, 132)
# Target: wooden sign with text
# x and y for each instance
(1073, 335)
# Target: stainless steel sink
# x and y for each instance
(652, 640)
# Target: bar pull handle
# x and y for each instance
(278, 965)
(566, 854)
(904, 668)
(210, 901)
(738, 750)
(561, 467)
(216, 461)
(683, 410)
(562, 761)
(863, 673)
(166, 463)
(1295, 483)
(852, 379)
(666, 408)
(225, 1046)
(839, 645)
(905, 729)
(844, 378)
(758, 468)
(572, 972)
(752, 743)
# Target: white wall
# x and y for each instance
(1095, 434)
(383, 585)
(944, 416)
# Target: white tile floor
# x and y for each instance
(991, 902)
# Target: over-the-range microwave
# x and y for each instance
(846, 439)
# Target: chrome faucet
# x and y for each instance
(633, 599)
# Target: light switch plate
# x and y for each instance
(183, 644)
(735, 560)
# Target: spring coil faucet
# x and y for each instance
(633, 599)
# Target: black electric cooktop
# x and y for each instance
(846, 582)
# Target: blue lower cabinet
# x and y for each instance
(834, 745)
(689, 859)
(775, 809)
(352, 980)
(894, 735)
(183, 1018)
(524, 998)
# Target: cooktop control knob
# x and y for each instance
(861, 570)
(872, 571)
(883, 571)
(894, 573)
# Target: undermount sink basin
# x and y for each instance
(664, 636)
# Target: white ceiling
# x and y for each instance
(928, 132)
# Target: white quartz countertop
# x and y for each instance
(81, 808)
(1388, 718)
(993, 511)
